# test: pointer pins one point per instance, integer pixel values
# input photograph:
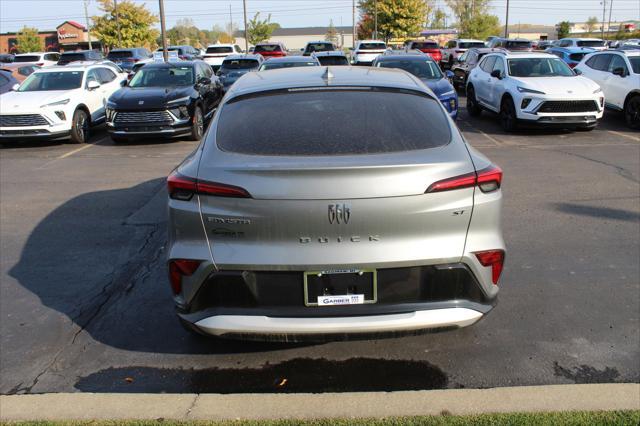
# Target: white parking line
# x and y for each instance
(633, 138)
(70, 153)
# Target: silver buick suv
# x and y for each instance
(333, 202)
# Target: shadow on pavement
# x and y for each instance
(598, 212)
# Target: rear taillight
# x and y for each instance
(493, 258)
(459, 51)
(488, 180)
(40, 64)
(179, 268)
(183, 188)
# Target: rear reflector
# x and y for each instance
(493, 258)
(181, 268)
(182, 188)
(488, 180)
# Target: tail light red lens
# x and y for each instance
(493, 258)
(40, 64)
(183, 188)
(181, 268)
(488, 180)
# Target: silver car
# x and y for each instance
(333, 202)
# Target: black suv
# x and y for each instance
(462, 66)
(164, 99)
(318, 46)
(80, 55)
(125, 58)
(186, 53)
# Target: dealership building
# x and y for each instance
(69, 35)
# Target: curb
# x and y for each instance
(110, 406)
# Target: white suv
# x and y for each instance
(618, 74)
(58, 102)
(215, 54)
(533, 88)
(456, 47)
(592, 43)
(41, 59)
(366, 51)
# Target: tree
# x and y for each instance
(438, 19)
(396, 18)
(332, 33)
(473, 19)
(28, 40)
(260, 30)
(365, 27)
(134, 23)
(563, 29)
(591, 24)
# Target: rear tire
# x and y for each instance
(632, 112)
(197, 125)
(473, 108)
(508, 116)
(80, 127)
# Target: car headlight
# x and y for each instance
(526, 90)
(57, 103)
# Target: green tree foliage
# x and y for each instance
(260, 30)
(591, 24)
(135, 23)
(438, 19)
(186, 32)
(332, 33)
(28, 40)
(473, 19)
(396, 18)
(563, 29)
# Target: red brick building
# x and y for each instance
(69, 35)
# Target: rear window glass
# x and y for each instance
(517, 44)
(425, 45)
(27, 58)
(293, 64)
(315, 124)
(576, 56)
(72, 57)
(120, 54)
(267, 48)
(372, 46)
(319, 47)
(239, 64)
(220, 49)
(333, 60)
(470, 44)
(590, 43)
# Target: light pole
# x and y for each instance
(610, 10)
(165, 53)
(506, 22)
(246, 33)
(115, 7)
(604, 11)
(353, 22)
(86, 17)
(375, 20)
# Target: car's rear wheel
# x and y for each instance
(197, 125)
(80, 127)
(632, 112)
(473, 108)
(508, 116)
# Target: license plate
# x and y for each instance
(340, 287)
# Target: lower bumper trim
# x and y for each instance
(235, 325)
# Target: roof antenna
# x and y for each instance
(328, 75)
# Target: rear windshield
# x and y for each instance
(577, 56)
(120, 54)
(319, 47)
(72, 57)
(372, 46)
(333, 60)
(510, 44)
(27, 58)
(239, 64)
(590, 43)
(470, 44)
(267, 48)
(293, 64)
(220, 49)
(316, 123)
(425, 45)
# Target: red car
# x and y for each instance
(429, 47)
(270, 50)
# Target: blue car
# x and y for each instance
(235, 66)
(428, 71)
(570, 55)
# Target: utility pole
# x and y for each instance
(610, 10)
(86, 17)
(230, 23)
(604, 11)
(375, 28)
(163, 30)
(115, 8)
(353, 22)
(246, 33)
(506, 22)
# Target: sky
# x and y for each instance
(47, 14)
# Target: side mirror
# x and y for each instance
(577, 71)
(15, 87)
(619, 71)
(93, 85)
(496, 74)
(204, 81)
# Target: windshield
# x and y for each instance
(590, 43)
(163, 77)
(60, 80)
(470, 44)
(333, 60)
(313, 123)
(120, 54)
(239, 64)
(372, 46)
(538, 67)
(277, 65)
(267, 48)
(421, 69)
(635, 64)
(319, 47)
(27, 58)
(220, 49)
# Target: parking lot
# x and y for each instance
(85, 301)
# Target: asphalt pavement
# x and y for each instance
(85, 303)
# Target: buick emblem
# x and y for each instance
(140, 102)
(339, 213)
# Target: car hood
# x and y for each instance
(438, 86)
(148, 97)
(559, 85)
(29, 101)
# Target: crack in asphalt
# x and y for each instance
(193, 404)
(621, 170)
